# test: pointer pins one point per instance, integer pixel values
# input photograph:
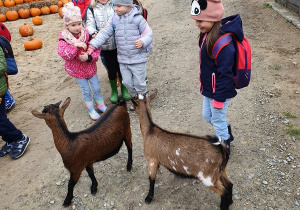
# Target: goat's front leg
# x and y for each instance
(94, 186)
(72, 182)
(152, 168)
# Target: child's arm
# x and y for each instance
(224, 81)
(90, 22)
(146, 33)
(3, 66)
(102, 36)
(66, 51)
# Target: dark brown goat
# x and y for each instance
(80, 150)
(201, 157)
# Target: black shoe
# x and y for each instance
(7, 148)
(231, 138)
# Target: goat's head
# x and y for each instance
(50, 110)
(143, 98)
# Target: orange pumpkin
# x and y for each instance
(1, 3)
(27, 1)
(26, 30)
(60, 12)
(65, 2)
(18, 1)
(35, 12)
(33, 44)
(9, 3)
(37, 20)
(24, 13)
(53, 8)
(60, 4)
(12, 15)
(2, 18)
(45, 10)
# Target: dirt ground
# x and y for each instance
(264, 165)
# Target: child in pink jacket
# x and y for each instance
(73, 42)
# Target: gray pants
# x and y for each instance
(134, 78)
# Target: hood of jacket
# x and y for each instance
(233, 24)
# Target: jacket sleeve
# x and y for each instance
(95, 55)
(146, 33)
(103, 34)
(90, 22)
(3, 66)
(224, 82)
(66, 51)
(3, 81)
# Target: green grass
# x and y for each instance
(289, 115)
(276, 75)
(277, 68)
(293, 131)
(267, 5)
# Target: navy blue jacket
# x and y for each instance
(223, 87)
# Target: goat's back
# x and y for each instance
(182, 153)
(103, 139)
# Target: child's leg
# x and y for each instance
(206, 109)
(219, 122)
(216, 117)
(127, 79)
(96, 87)
(86, 94)
(8, 131)
(139, 72)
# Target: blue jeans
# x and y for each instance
(86, 90)
(216, 117)
(8, 131)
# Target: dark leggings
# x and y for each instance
(112, 64)
(8, 131)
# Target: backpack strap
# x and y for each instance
(220, 43)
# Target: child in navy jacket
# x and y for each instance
(216, 77)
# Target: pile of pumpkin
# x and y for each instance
(14, 9)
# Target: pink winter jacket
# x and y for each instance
(73, 66)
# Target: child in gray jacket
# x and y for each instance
(132, 35)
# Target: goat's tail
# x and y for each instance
(223, 149)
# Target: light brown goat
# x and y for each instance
(80, 150)
(201, 157)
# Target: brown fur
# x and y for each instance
(183, 154)
(79, 150)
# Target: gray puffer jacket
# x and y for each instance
(95, 23)
(128, 28)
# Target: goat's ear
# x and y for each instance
(66, 103)
(153, 94)
(38, 114)
(134, 102)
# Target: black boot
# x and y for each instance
(231, 138)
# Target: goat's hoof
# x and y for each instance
(148, 199)
(129, 168)
(93, 190)
(67, 202)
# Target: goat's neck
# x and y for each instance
(60, 133)
(145, 118)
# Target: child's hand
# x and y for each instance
(138, 44)
(95, 34)
(81, 44)
(83, 56)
